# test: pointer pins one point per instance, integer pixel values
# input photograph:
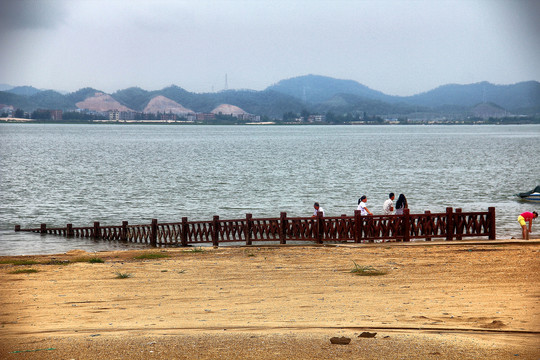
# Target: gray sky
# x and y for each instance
(398, 47)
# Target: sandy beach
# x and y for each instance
(438, 300)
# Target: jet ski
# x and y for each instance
(533, 195)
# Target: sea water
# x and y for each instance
(59, 174)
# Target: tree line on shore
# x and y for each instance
(302, 118)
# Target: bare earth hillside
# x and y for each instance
(227, 109)
(101, 102)
(165, 105)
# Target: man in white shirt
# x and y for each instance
(317, 209)
(388, 206)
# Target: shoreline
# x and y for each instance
(445, 300)
(140, 246)
(268, 123)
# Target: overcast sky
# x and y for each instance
(397, 47)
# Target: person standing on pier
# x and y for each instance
(388, 206)
(317, 209)
(523, 219)
(401, 204)
(364, 211)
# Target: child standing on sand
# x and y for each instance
(523, 218)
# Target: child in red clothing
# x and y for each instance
(523, 218)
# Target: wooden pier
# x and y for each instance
(450, 225)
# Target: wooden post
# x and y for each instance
(320, 227)
(357, 226)
(184, 233)
(449, 224)
(124, 231)
(69, 230)
(459, 223)
(215, 231)
(153, 233)
(17, 228)
(283, 228)
(247, 228)
(427, 229)
(97, 230)
(43, 229)
(406, 225)
(491, 222)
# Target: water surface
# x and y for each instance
(59, 174)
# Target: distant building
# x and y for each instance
(7, 109)
(316, 118)
(127, 115)
(205, 116)
(56, 114)
(114, 115)
(169, 116)
(248, 117)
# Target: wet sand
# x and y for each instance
(466, 299)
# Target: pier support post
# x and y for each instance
(69, 230)
(97, 230)
(153, 233)
(184, 232)
(17, 228)
(449, 224)
(283, 228)
(124, 231)
(320, 227)
(215, 231)
(491, 222)
(43, 229)
(247, 228)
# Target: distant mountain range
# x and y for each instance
(314, 93)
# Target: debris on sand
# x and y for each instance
(366, 334)
(340, 340)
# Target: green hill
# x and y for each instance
(312, 93)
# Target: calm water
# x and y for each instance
(59, 174)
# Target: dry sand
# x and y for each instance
(464, 300)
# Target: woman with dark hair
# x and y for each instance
(401, 204)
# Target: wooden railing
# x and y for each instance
(449, 225)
